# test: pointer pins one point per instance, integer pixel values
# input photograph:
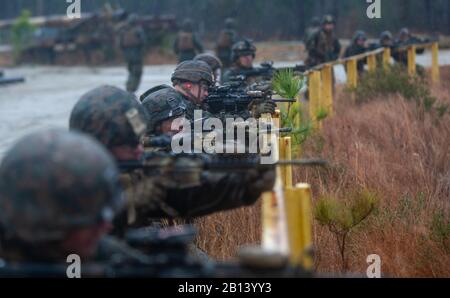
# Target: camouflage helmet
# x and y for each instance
(243, 48)
(53, 182)
(111, 115)
(188, 25)
(359, 35)
(404, 32)
(194, 72)
(328, 19)
(210, 59)
(385, 35)
(162, 103)
(230, 23)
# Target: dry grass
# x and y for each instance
(387, 146)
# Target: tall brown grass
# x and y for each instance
(388, 146)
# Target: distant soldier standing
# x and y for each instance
(227, 38)
(323, 46)
(187, 45)
(132, 42)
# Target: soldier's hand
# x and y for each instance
(262, 107)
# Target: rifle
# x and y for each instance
(266, 71)
(193, 162)
(232, 98)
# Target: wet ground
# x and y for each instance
(49, 94)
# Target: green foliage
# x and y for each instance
(22, 33)
(440, 229)
(342, 217)
(321, 114)
(287, 85)
(395, 80)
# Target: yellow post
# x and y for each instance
(327, 88)
(282, 152)
(412, 60)
(314, 96)
(435, 76)
(352, 73)
(372, 62)
(386, 58)
(287, 148)
(298, 212)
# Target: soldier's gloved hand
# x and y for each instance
(148, 192)
(258, 108)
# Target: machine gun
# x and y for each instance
(177, 165)
(233, 99)
(266, 71)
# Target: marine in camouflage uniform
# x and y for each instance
(227, 38)
(405, 38)
(323, 46)
(357, 47)
(132, 42)
(117, 120)
(187, 45)
(59, 192)
(164, 104)
(243, 55)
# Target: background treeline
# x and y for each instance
(267, 19)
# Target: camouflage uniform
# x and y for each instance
(187, 45)
(217, 191)
(164, 96)
(227, 38)
(115, 118)
(356, 49)
(241, 48)
(132, 42)
(54, 183)
(323, 46)
(405, 38)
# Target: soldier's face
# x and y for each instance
(246, 61)
(328, 27)
(200, 91)
(361, 42)
(127, 153)
(171, 126)
(386, 42)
